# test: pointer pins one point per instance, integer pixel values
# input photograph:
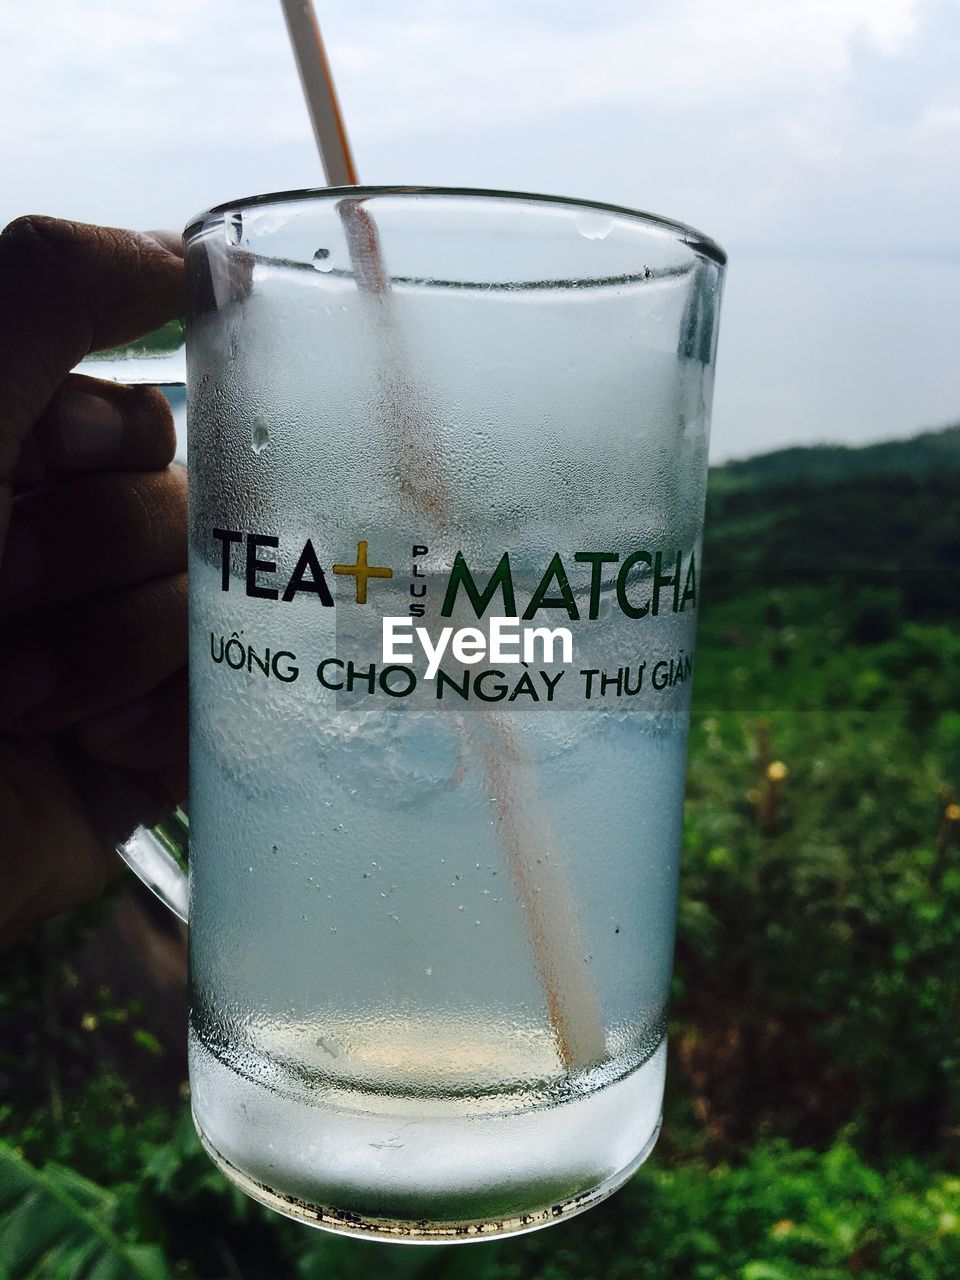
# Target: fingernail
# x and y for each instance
(22, 565)
(91, 426)
(111, 726)
(25, 683)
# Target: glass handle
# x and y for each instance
(158, 856)
(169, 370)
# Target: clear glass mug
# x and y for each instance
(432, 882)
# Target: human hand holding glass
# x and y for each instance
(93, 707)
(528, 386)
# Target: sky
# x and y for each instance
(816, 140)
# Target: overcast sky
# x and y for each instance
(817, 140)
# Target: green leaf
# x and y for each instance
(147, 1040)
(765, 1271)
(54, 1224)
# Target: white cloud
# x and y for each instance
(458, 69)
(435, 67)
(809, 125)
(739, 114)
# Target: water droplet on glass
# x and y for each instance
(322, 260)
(328, 1046)
(593, 226)
(234, 228)
(259, 436)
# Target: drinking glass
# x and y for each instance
(432, 916)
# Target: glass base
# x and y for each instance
(422, 1232)
(407, 1167)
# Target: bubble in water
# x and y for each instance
(593, 226)
(233, 226)
(259, 436)
(322, 260)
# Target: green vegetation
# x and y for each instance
(169, 337)
(814, 1107)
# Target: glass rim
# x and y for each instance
(695, 240)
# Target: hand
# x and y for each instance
(92, 565)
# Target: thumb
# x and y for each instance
(66, 289)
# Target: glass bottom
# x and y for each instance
(418, 1170)
(423, 1231)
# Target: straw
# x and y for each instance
(545, 899)
(323, 106)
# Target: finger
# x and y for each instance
(87, 534)
(148, 738)
(150, 733)
(63, 813)
(51, 857)
(31, 466)
(90, 423)
(67, 289)
(64, 666)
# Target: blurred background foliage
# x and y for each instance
(813, 1113)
